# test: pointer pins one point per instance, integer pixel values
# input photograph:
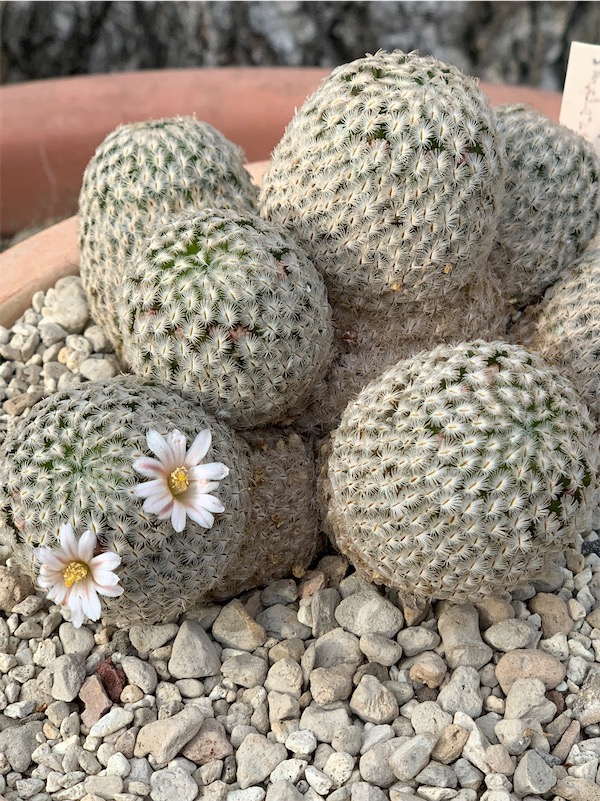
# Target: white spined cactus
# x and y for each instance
(460, 472)
(139, 176)
(568, 327)
(391, 178)
(552, 203)
(225, 309)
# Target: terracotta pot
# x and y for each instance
(260, 102)
(51, 128)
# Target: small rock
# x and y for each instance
(378, 648)
(417, 639)
(115, 719)
(526, 699)
(339, 767)
(529, 663)
(337, 647)
(329, 685)
(194, 655)
(18, 743)
(76, 641)
(283, 591)
(369, 613)
(553, 612)
(235, 628)
(574, 789)
(208, 744)
(245, 670)
(510, 634)
(14, 587)
(164, 739)
(256, 758)
(282, 622)
(324, 723)
(96, 701)
(411, 757)
(140, 673)
(97, 369)
(533, 776)
(428, 668)
(374, 764)
(498, 758)
(323, 606)
(66, 305)
(285, 676)
(586, 707)
(172, 783)
(462, 692)
(373, 702)
(104, 786)
(429, 718)
(68, 673)
(493, 610)
(450, 744)
(113, 679)
(148, 638)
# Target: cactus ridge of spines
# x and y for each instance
(225, 309)
(391, 177)
(461, 471)
(71, 461)
(551, 208)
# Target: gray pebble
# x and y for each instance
(194, 655)
(533, 776)
(411, 757)
(417, 639)
(282, 622)
(510, 634)
(172, 783)
(256, 758)
(373, 702)
(140, 673)
(462, 692)
(324, 723)
(369, 613)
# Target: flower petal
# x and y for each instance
(176, 441)
(105, 578)
(158, 504)
(68, 542)
(49, 558)
(108, 560)
(178, 516)
(160, 448)
(214, 471)
(199, 515)
(110, 592)
(198, 448)
(151, 468)
(149, 488)
(90, 600)
(86, 546)
(211, 503)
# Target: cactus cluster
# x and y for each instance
(140, 175)
(552, 202)
(460, 472)
(223, 308)
(391, 177)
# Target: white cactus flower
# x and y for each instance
(179, 484)
(74, 577)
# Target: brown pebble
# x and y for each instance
(575, 789)
(428, 668)
(450, 744)
(553, 612)
(567, 741)
(492, 611)
(312, 581)
(557, 699)
(113, 679)
(18, 403)
(335, 569)
(425, 693)
(97, 703)
(529, 663)
(211, 742)
(125, 743)
(575, 560)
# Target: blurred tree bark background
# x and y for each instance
(510, 42)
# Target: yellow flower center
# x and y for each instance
(179, 481)
(75, 571)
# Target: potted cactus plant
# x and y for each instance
(385, 198)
